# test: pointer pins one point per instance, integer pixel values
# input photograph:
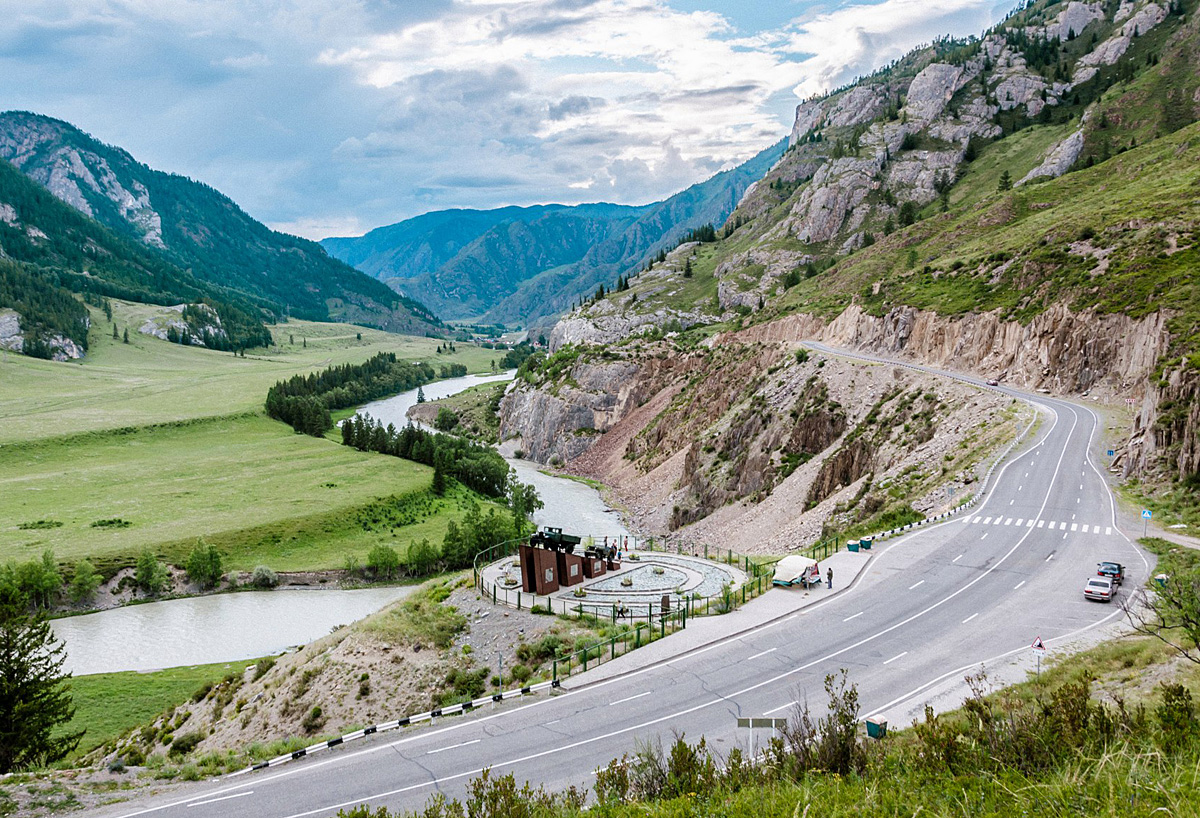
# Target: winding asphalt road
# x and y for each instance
(930, 606)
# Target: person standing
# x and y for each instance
(829, 578)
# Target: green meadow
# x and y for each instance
(151, 381)
(152, 446)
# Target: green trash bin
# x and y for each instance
(852, 545)
(876, 728)
(865, 542)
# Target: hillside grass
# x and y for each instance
(473, 407)
(152, 381)
(1012, 250)
(142, 697)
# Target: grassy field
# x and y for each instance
(151, 381)
(171, 441)
(143, 696)
(246, 483)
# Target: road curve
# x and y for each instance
(931, 605)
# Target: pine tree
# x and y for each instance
(687, 268)
(125, 336)
(1005, 182)
(115, 334)
(34, 699)
(420, 395)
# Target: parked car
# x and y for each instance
(1100, 588)
(797, 570)
(1113, 570)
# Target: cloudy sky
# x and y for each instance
(330, 117)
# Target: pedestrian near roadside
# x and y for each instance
(829, 578)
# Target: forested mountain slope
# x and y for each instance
(517, 265)
(49, 252)
(196, 228)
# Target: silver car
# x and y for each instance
(1100, 588)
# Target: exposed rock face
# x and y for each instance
(1059, 159)
(10, 331)
(1112, 49)
(160, 326)
(1059, 350)
(13, 340)
(70, 174)
(1073, 20)
(565, 423)
(931, 90)
(1166, 428)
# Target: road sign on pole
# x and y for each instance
(1039, 647)
(1145, 520)
(1110, 453)
(770, 724)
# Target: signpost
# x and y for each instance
(1039, 647)
(1145, 520)
(771, 724)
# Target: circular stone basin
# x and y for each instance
(644, 579)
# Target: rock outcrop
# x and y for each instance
(1059, 159)
(10, 331)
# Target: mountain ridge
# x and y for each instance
(561, 252)
(198, 229)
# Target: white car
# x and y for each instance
(1100, 588)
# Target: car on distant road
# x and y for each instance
(993, 382)
(1100, 588)
(1113, 570)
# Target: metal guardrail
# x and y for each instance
(449, 710)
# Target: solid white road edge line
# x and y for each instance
(222, 798)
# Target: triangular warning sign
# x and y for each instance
(1038, 644)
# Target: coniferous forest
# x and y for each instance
(304, 401)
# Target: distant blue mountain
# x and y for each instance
(518, 264)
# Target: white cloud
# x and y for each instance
(343, 114)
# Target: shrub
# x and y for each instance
(264, 577)
(85, 582)
(263, 665)
(313, 721)
(445, 420)
(184, 744)
(150, 574)
(421, 559)
(133, 756)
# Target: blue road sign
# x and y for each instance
(1146, 514)
(1111, 452)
